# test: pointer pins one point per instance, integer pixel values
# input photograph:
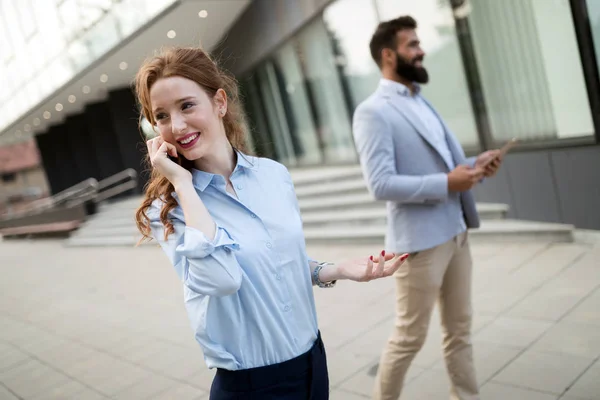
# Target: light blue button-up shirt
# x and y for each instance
(248, 292)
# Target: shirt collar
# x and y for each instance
(202, 179)
(398, 87)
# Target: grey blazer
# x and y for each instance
(402, 166)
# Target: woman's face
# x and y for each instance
(187, 117)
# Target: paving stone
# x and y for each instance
(497, 391)
(588, 385)
(551, 373)
(513, 332)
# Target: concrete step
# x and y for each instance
(364, 200)
(107, 231)
(509, 231)
(310, 176)
(116, 221)
(332, 204)
(339, 188)
(111, 241)
(377, 215)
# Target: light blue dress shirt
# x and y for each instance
(248, 292)
(435, 129)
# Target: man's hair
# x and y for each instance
(385, 35)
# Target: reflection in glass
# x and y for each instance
(531, 73)
(26, 17)
(324, 82)
(352, 23)
(79, 55)
(259, 130)
(57, 40)
(300, 122)
(447, 89)
(70, 18)
(275, 114)
(103, 36)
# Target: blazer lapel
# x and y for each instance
(454, 146)
(396, 100)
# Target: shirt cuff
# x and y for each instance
(197, 245)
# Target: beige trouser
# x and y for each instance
(444, 273)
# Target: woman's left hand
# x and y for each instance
(368, 268)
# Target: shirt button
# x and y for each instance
(278, 277)
(286, 308)
(239, 187)
(269, 245)
(253, 215)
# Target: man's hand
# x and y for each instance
(463, 178)
(489, 162)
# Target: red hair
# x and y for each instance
(196, 65)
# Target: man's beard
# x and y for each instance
(409, 71)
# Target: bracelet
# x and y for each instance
(316, 279)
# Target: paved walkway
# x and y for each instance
(109, 323)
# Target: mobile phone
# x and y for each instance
(503, 150)
(509, 145)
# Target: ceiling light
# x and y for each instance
(103, 78)
(47, 115)
(27, 128)
(58, 107)
(36, 121)
(203, 14)
(86, 89)
(72, 99)
(123, 66)
(171, 34)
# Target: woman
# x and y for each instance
(231, 226)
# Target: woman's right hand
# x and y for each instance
(158, 150)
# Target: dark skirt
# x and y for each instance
(302, 378)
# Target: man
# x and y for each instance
(411, 159)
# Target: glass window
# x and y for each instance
(70, 18)
(92, 10)
(49, 29)
(276, 118)
(26, 17)
(102, 36)
(259, 129)
(6, 51)
(128, 13)
(593, 7)
(12, 78)
(352, 23)
(447, 89)
(61, 70)
(325, 86)
(79, 55)
(36, 52)
(296, 106)
(530, 68)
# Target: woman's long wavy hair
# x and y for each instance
(194, 64)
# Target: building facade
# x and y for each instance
(498, 69)
(66, 74)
